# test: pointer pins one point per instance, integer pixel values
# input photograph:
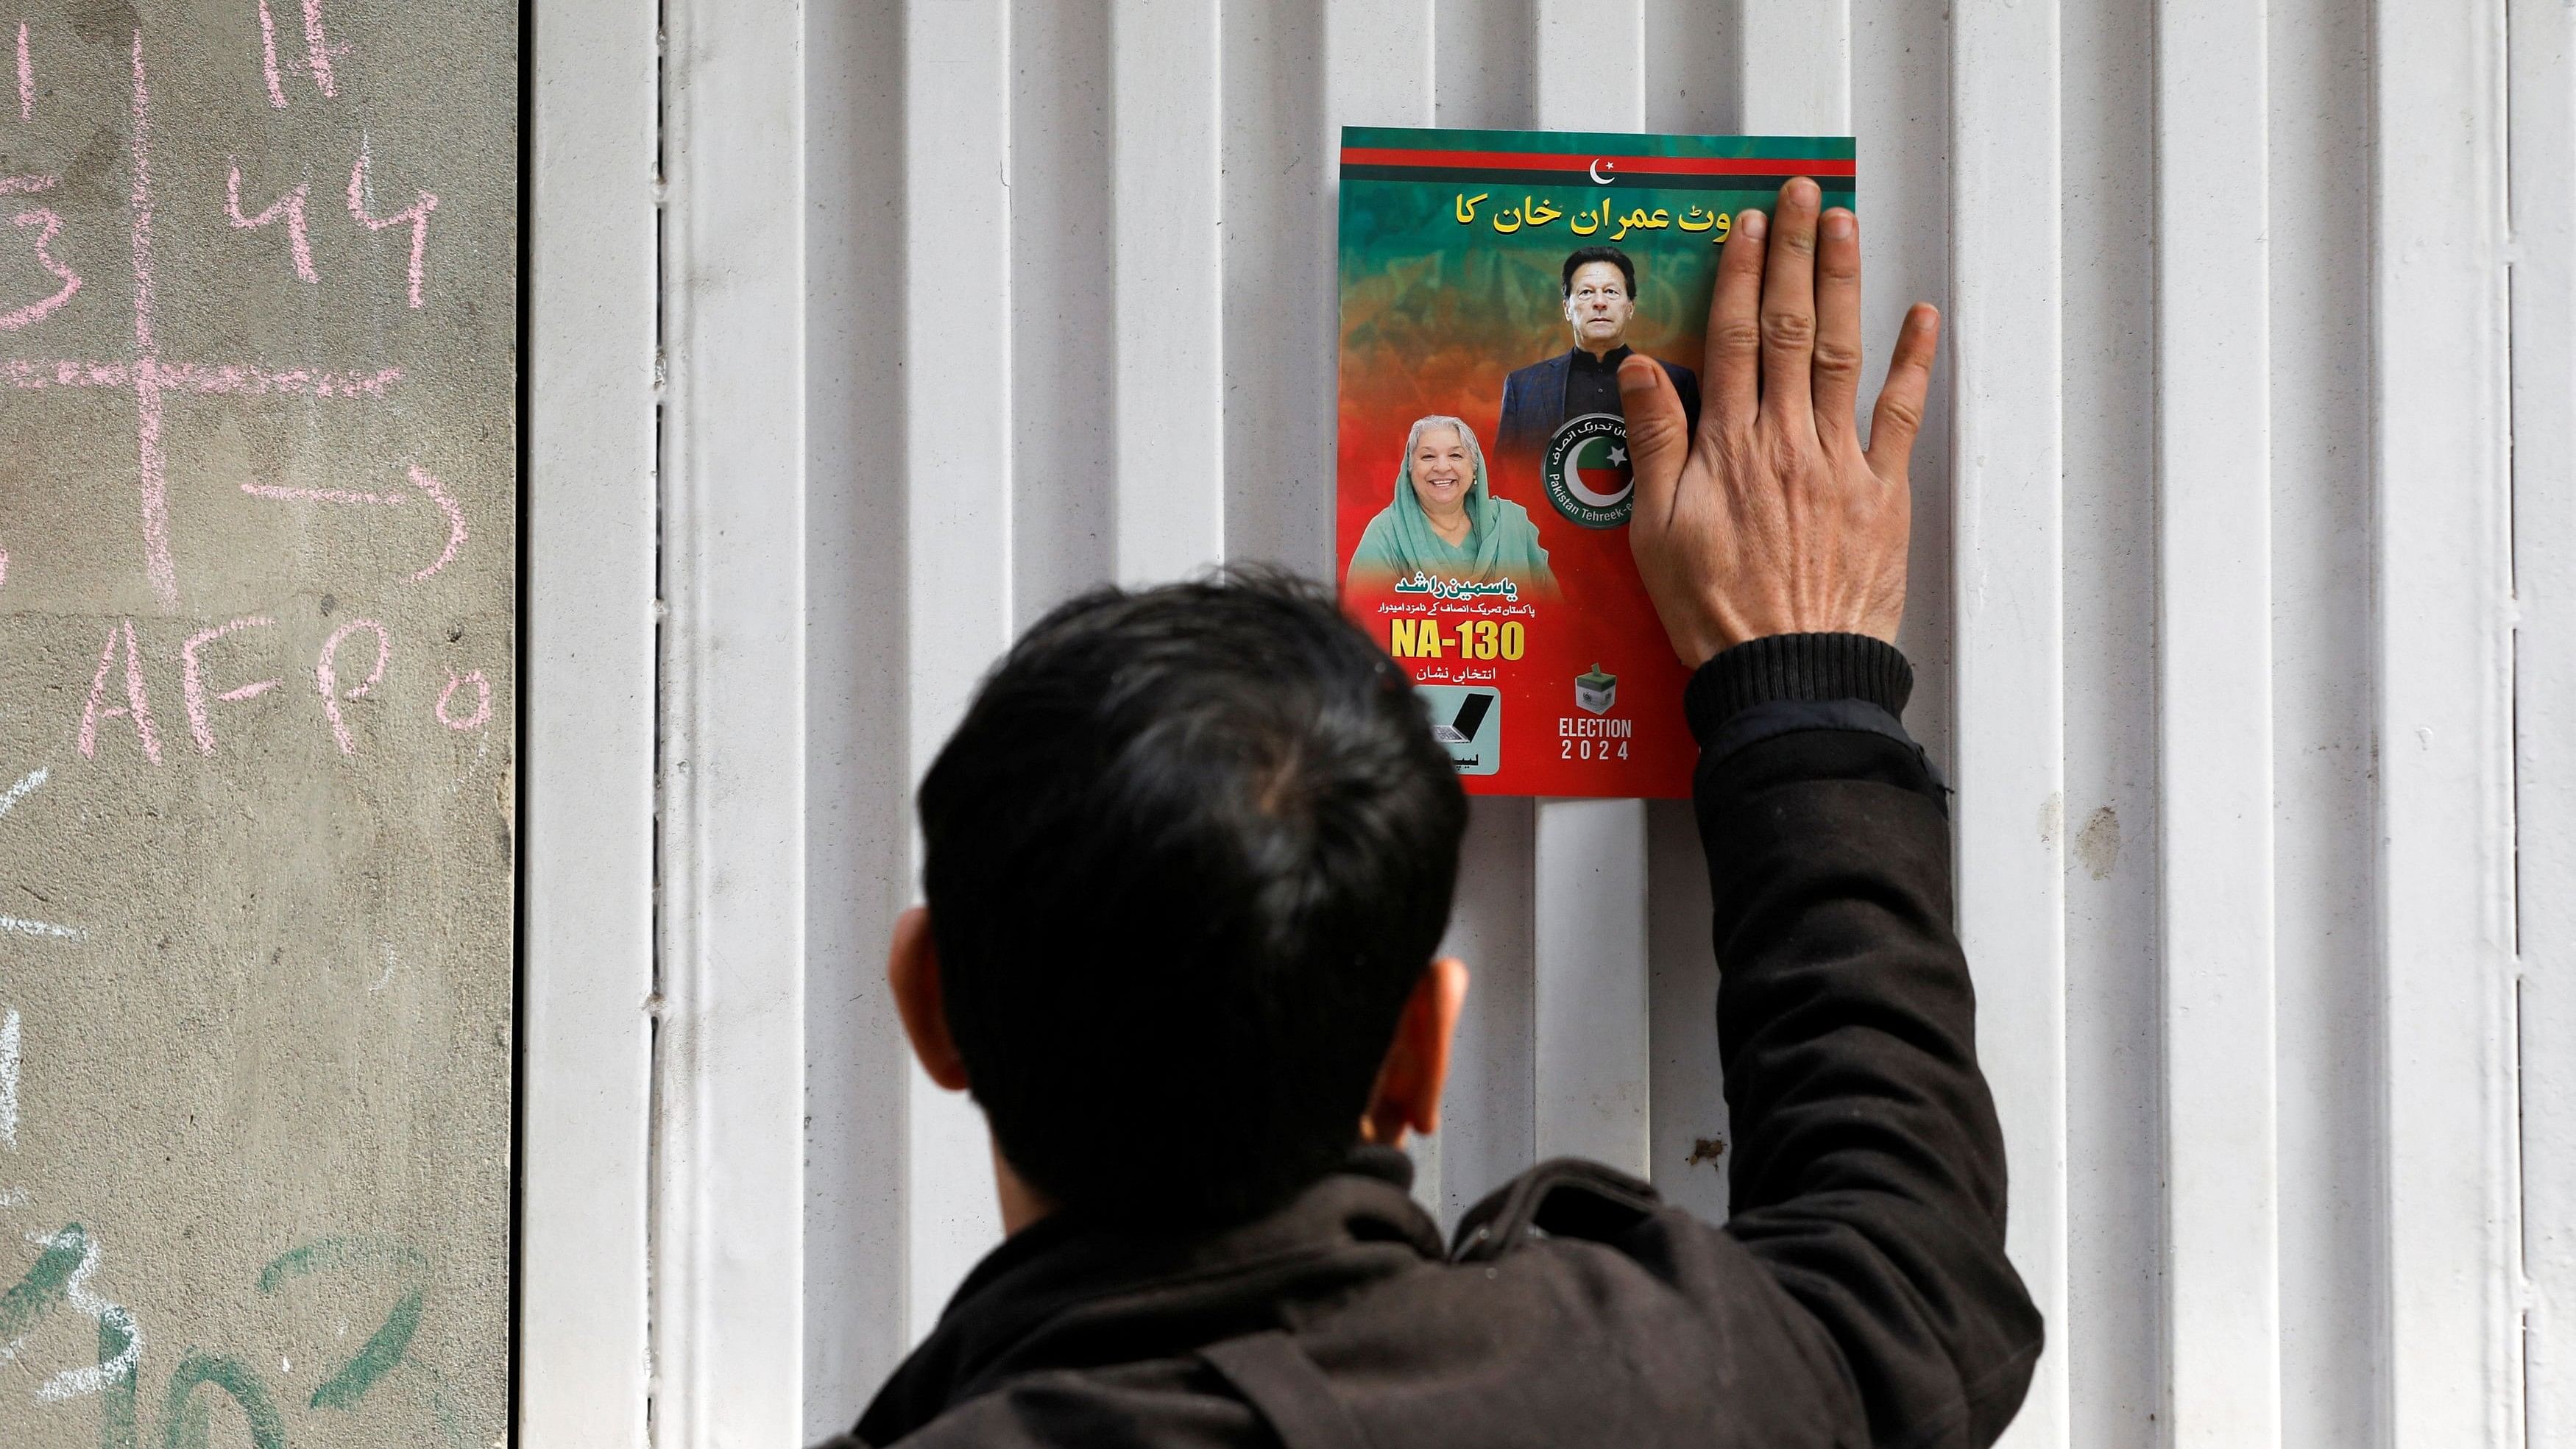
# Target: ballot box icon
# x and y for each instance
(1468, 724)
(1596, 692)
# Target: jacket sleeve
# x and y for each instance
(1868, 1164)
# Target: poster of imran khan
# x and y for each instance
(1491, 284)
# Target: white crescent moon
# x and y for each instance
(1595, 170)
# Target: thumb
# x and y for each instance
(1658, 435)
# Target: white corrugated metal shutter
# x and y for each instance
(2242, 613)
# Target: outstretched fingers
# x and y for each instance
(1789, 306)
(1899, 414)
(1837, 368)
(1734, 365)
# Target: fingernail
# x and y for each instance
(1806, 186)
(1839, 224)
(1752, 224)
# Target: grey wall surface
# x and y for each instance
(257, 594)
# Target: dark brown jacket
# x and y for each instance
(1857, 1295)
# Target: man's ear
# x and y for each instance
(1416, 1068)
(912, 970)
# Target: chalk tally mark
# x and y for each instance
(482, 714)
(9, 1035)
(150, 468)
(28, 784)
(192, 683)
(198, 378)
(41, 930)
(137, 706)
(326, 674)
(26, 78)
(417, 214)
(320, 495)
(291, 206)
(49, 226)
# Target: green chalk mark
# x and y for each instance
(45, 1283)
(330, 1253)
(187, 1419)
(385, 1347)
(116, 1428)
(382, 1352)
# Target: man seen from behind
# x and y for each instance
(1188, 862)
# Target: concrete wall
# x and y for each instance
(257, 686)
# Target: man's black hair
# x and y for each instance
(1185, 858)
(1576, 260)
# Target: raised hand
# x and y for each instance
(1774, 519)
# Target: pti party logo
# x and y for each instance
(1585, 470)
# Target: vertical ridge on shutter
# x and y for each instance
(1593, 1047)
(1794, 76)
(1478, 54)
(2439, 413)
(2005, 348)
(2544, 574)
(2214, 709)
(729, 1203)
(858, 807)
(956, 285)
(584, 1149)
(1168, 239)
(2322, 652)
(1378, 72)
(1282, 255)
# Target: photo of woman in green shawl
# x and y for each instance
(1446, 523)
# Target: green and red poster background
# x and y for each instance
(1451, 246)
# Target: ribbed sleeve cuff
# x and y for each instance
(1796, 667)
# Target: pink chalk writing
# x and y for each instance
(153, 379)
(37, 311)
(318, 52)
(320, 495)
(27, 185)
(268, 56)
(198, 378)
(192, 682)
(326, 674)
(455, 521)
(4, 568)
(421, 479)
(417, 214)
(291, 206)
(26, 78)
(149, 467)
(136, 707)
(482, 700)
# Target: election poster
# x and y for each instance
(1491, 283)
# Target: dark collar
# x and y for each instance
(1607, 362)
(1065, 1294)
